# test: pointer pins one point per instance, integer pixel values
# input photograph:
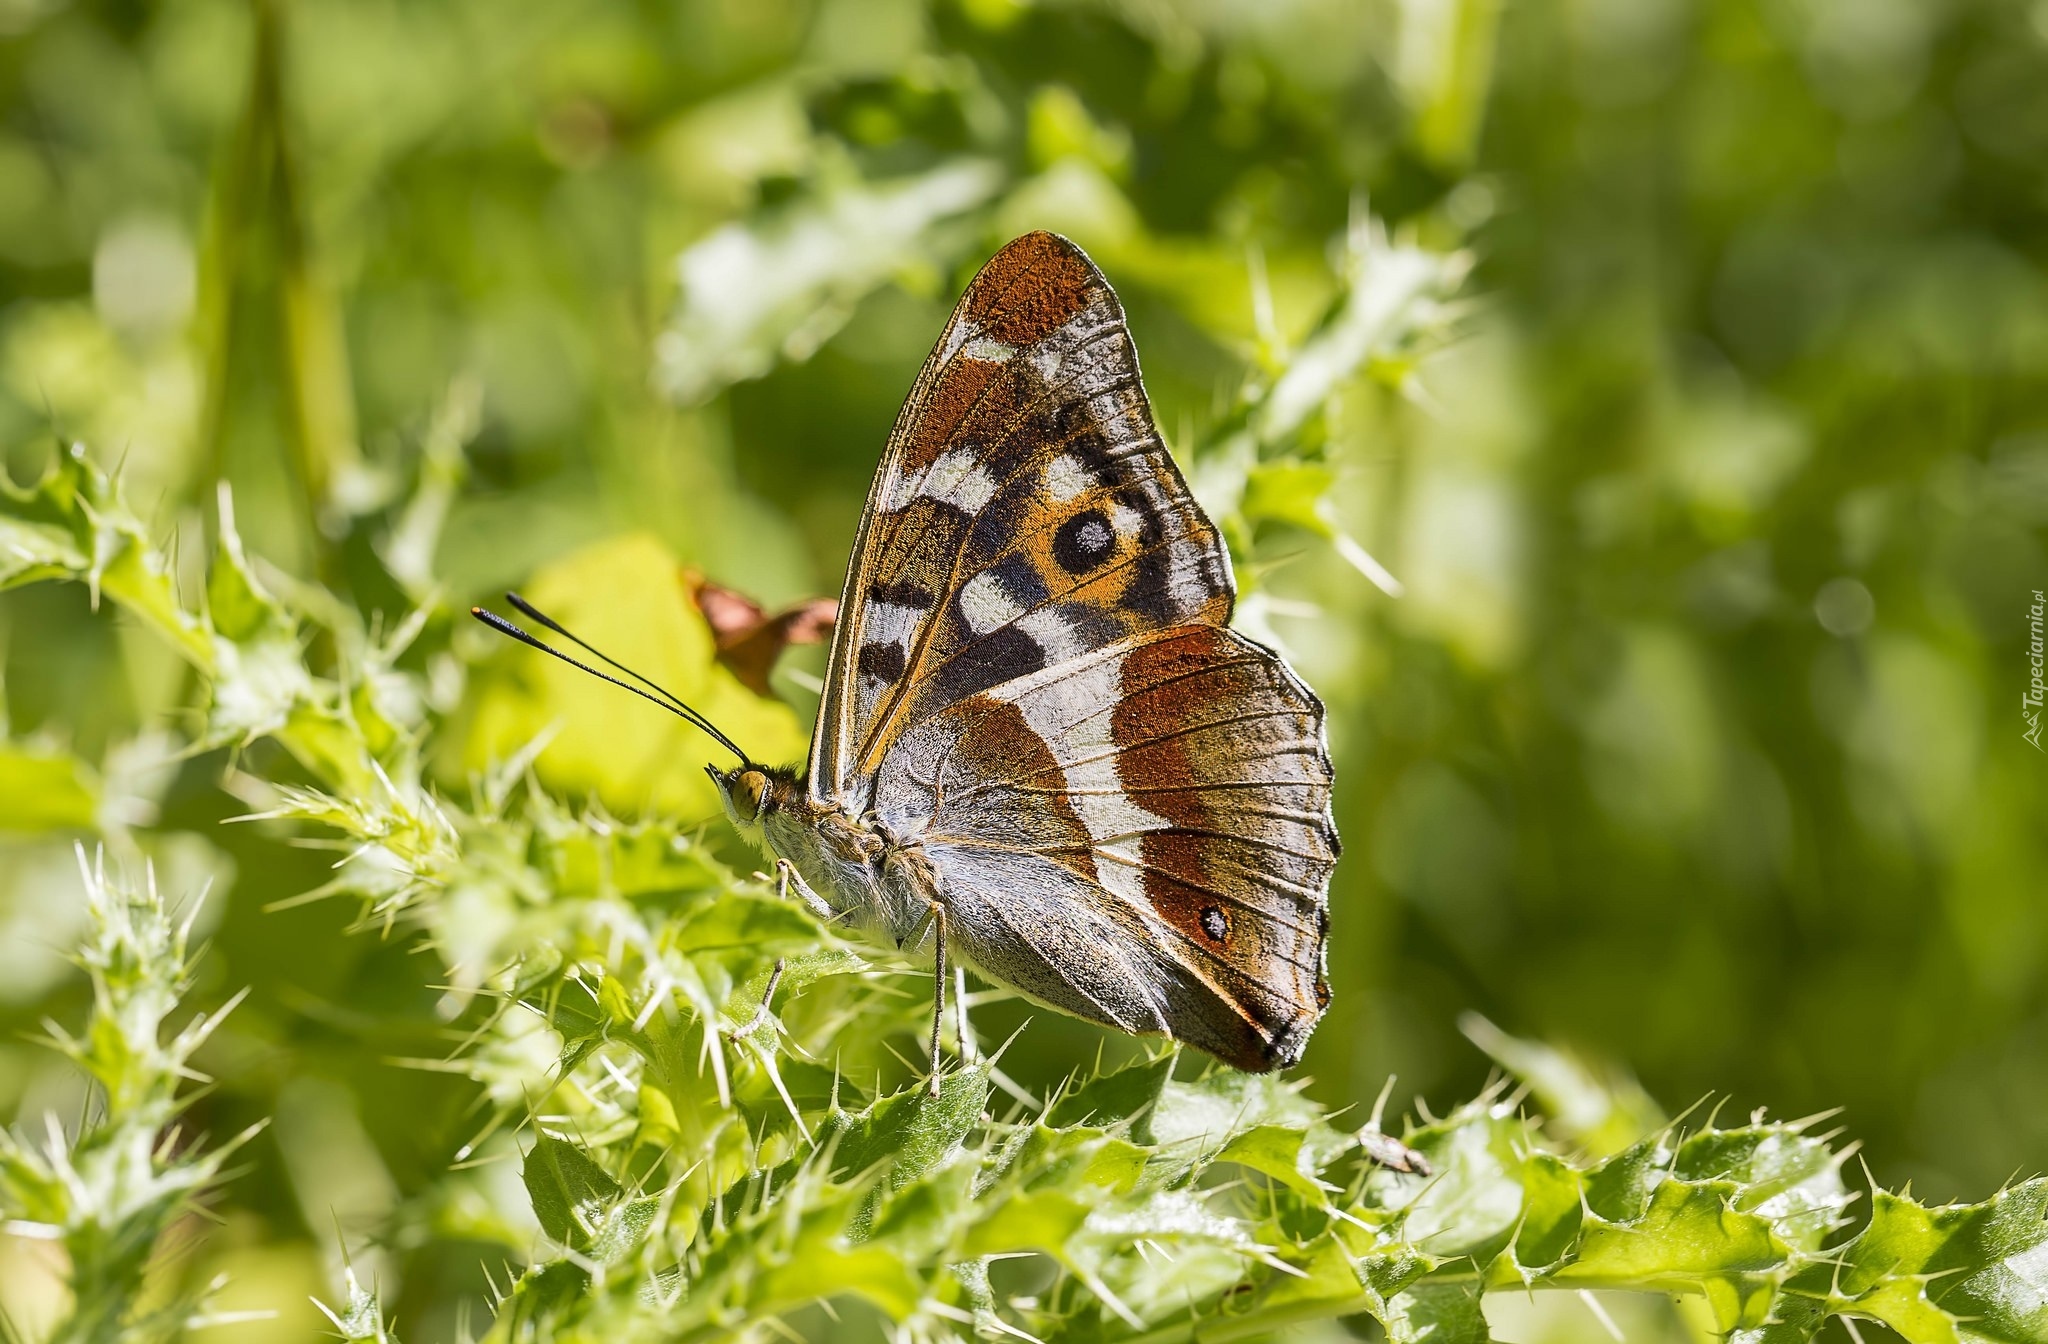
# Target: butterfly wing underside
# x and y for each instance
(1126, 805)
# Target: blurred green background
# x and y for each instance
(1695, 743)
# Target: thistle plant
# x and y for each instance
(713, 1133)
(113, 1191)
(360, 1318)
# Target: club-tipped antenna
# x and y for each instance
(668, 700)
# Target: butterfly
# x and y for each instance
(1040, 748)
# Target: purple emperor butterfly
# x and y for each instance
(1040, 748)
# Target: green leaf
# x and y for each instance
(33, 552)
(239, 607)
(1792, 1179)
(1277, 1151)
(74, 524)
(1792, 1320)
(572, 1195)
(911, 1131)
(759, 925)
(1438, 1313)
(1963, 1272)
(1686, 1232)
(623, 1227)
(1109, 1099)
(819, 1262)
(1551, 1209)
(756, 292)
(1289, 491)
(1047, 1158)
(1330, 1275)
(542, 1298)
(1207, 1112)
(1619, 1189)
(1601, 1110)
(1036, 1222)
(918, 1220)
(361, 1319)
(1474, 1202)
(634, 861)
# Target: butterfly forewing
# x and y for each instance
(1124, 807)
(1025, 512)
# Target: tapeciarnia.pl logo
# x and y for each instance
(2030, 703)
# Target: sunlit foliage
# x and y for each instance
(1631, 417)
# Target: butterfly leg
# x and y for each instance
(785, 875)
(938, 988)
(760, 1017)
(963, 1031)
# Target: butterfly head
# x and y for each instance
(750, 792)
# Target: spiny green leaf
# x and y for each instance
(911, 1131)
(1108, 1099)
(1438, 1313)
(109, 1193)
(361, 1318)
(1619, 1189)
(1473, 1203)
(1791, 1320)
(1686, 1232)
(1788, 1177)
(74, 524)
(1552, 1202)
(1206, 1113)
(1044, 1221)
(1963, 1272)
(1278, 1151)
(241, 610)
(632, 860)
(623, 1227)
(571, 1193)
(1601, 1110)
(819, 1262)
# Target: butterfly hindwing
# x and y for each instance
(1176, 786)
(1026, 512)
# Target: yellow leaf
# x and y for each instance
(43, 790)
(626, 596)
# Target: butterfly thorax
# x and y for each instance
(878, 881)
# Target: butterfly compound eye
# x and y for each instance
(747, 792)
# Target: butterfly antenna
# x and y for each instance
(668, 700)
(533, 613)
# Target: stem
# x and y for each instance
(260, 197)
(1221, 1329)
